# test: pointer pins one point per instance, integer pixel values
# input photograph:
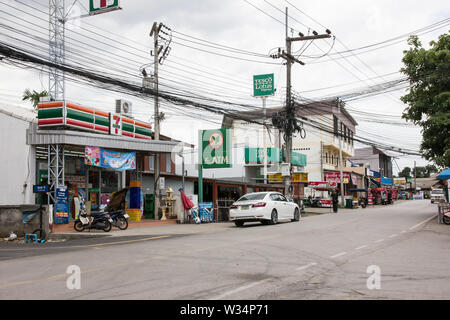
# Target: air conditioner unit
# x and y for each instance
(124, 107)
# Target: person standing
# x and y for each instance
(334, 198)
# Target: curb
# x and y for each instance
(75, 236)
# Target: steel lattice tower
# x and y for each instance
(56, 48)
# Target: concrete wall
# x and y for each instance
(11, 220)
(175, 184)
(17, 159)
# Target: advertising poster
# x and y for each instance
(62, 206)
(99, 157)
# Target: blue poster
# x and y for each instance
(62, 206)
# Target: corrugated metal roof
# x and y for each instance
(69, 137)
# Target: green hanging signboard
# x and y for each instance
(102, 6)
(263, 85)
(216, 148)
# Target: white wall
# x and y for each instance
(17, 162)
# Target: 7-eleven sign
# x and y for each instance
(115, 124)
(101, 6)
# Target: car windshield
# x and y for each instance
(437, 191)
(253, 196)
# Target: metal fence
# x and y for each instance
(443, 207)
(223, 209)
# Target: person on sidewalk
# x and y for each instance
(334, 198)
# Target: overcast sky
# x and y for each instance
(237, 24)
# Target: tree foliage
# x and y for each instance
(34, 96)
(428, 99)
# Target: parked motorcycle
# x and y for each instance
(98, 220)
(446, 218)
(362, 202)
(120, 219)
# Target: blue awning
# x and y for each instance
(376, 182)
(444, 174)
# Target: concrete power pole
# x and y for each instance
(290, 110)
(340, 154)
(155, 34)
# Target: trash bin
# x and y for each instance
(348, 203)
(149, 206)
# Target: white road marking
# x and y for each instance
(425, 221)
(393, 236)
(339, 254)
(404, 231)
(379, 240)
(248, 286)
(306, 266)
(362, 247)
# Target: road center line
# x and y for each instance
(392, 236)
(248, 286)
(306, 266)
(379, 240)
(420, 223)
(362, 247)
(339, 254)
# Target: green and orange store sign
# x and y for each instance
(66, 114)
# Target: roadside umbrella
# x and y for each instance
(444, 174)
(187, 204)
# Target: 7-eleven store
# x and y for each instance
(63, 131)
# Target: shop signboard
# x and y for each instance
(41, 188)
(336, 177)
(75, 116)
(263, 85)
(102, 6)
(216, 148)
(99, 157)
(398, 181)
(299, 177)
(318, 184)
(61, 205)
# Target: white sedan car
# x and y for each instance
(267, 207)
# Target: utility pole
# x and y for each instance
(155, 34)
(290, 110)
(340, 154)
(415, 177)
(264, 141)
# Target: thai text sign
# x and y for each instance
(336, 177)
(216, 148)
(61, 206)
(263, 85)
(99, 157)
(299, 177)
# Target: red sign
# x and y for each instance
(336, 177)
(318, 184)
(326, 203)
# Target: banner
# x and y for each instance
(336, 177)
(299, 177)
(99, 157)
(399, 180)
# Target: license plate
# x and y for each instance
(110, 220)
(244, 207)
(126, 216)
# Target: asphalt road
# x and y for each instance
(321, 257)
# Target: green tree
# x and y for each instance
(428, 98)
(406, 172)
(34, 97)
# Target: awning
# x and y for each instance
(357, 190)
(444, 174)
(375, 182)
(78, 138)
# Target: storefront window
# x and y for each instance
(110, 181)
